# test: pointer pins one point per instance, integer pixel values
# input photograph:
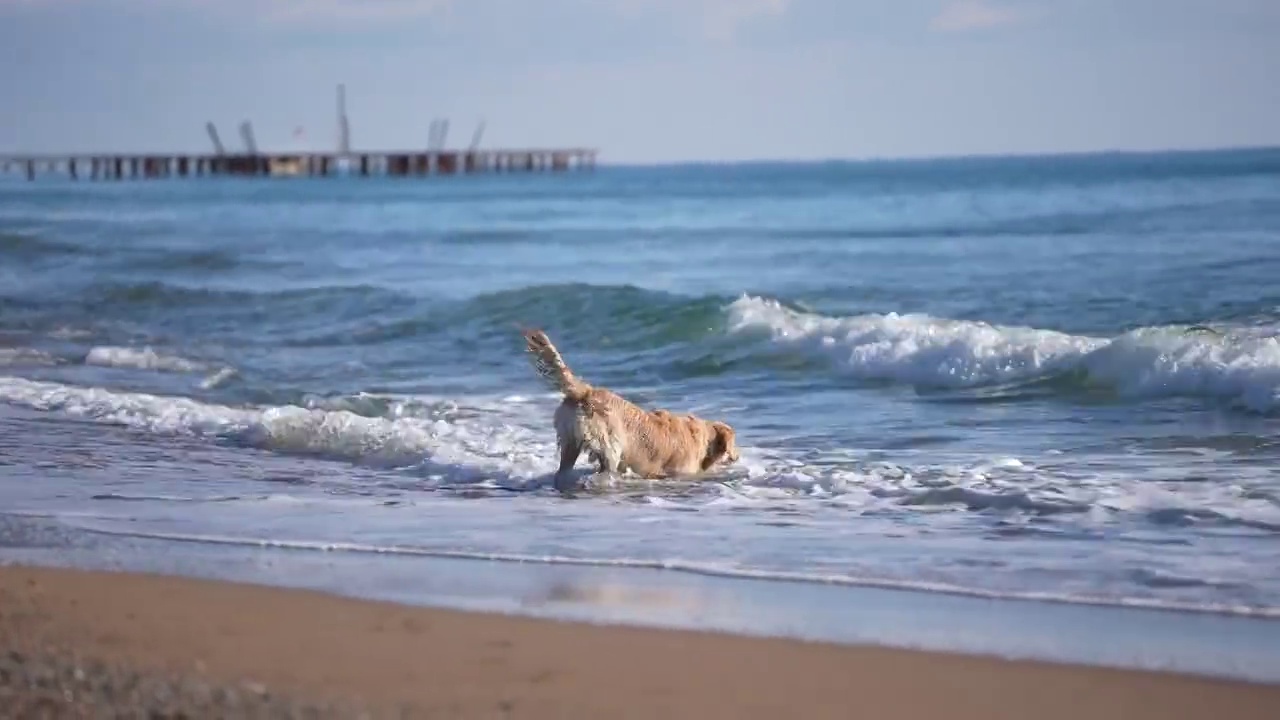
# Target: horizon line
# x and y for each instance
(929, 157)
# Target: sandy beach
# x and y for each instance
(87, 644)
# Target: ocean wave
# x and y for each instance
(148, 359)
(35, 247)
(141, 359)
(177, 296)
(1003, 487)
(171, 260)
(27, 247)
(1240, 366)
(505, 443)
(631, 316)
(30, 357)
(460, 447)
(111, 356)
(288, 315)
(124, 497)
(1061, 222)
(589, 316)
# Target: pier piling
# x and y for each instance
(410, 163)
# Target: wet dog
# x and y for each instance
(619, 435)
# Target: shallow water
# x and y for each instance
(974, 376)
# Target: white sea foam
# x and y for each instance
(218, 378)
(154, 413)
(506, 442)
(70, 333)
(141, 359)
(467, 446)
(1241, 367)
(15, 356)
(149, 359)
(1169, 361)
(1008, 486)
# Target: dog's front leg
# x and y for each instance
(610, 459)
(598, 459)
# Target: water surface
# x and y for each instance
(1024, 377)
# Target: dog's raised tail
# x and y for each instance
(552, 367)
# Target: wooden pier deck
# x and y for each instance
(410, 163)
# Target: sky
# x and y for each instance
(645, 81)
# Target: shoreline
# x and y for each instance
(305, 646)
(695, 569)
(1202, 644)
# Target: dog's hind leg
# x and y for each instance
(569, 452)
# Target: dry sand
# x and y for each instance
(92, 644)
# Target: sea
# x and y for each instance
(1051, 379)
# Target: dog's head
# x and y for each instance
(722, 445)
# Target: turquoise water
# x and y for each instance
(1049, 377)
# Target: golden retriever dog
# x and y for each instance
(619, 435)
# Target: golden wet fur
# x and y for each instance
(621, 436)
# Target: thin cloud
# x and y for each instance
(347, 10)
(968, 15)
(713, 20)
(718, 20)
(273, 10)
(722, 18)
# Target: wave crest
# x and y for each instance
(1242, 367)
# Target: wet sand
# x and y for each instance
(94, 644)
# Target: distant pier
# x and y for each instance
(151, 166)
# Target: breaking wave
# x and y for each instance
(1237, 365)
(504, 442)
(141, 359)
(439, 439)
